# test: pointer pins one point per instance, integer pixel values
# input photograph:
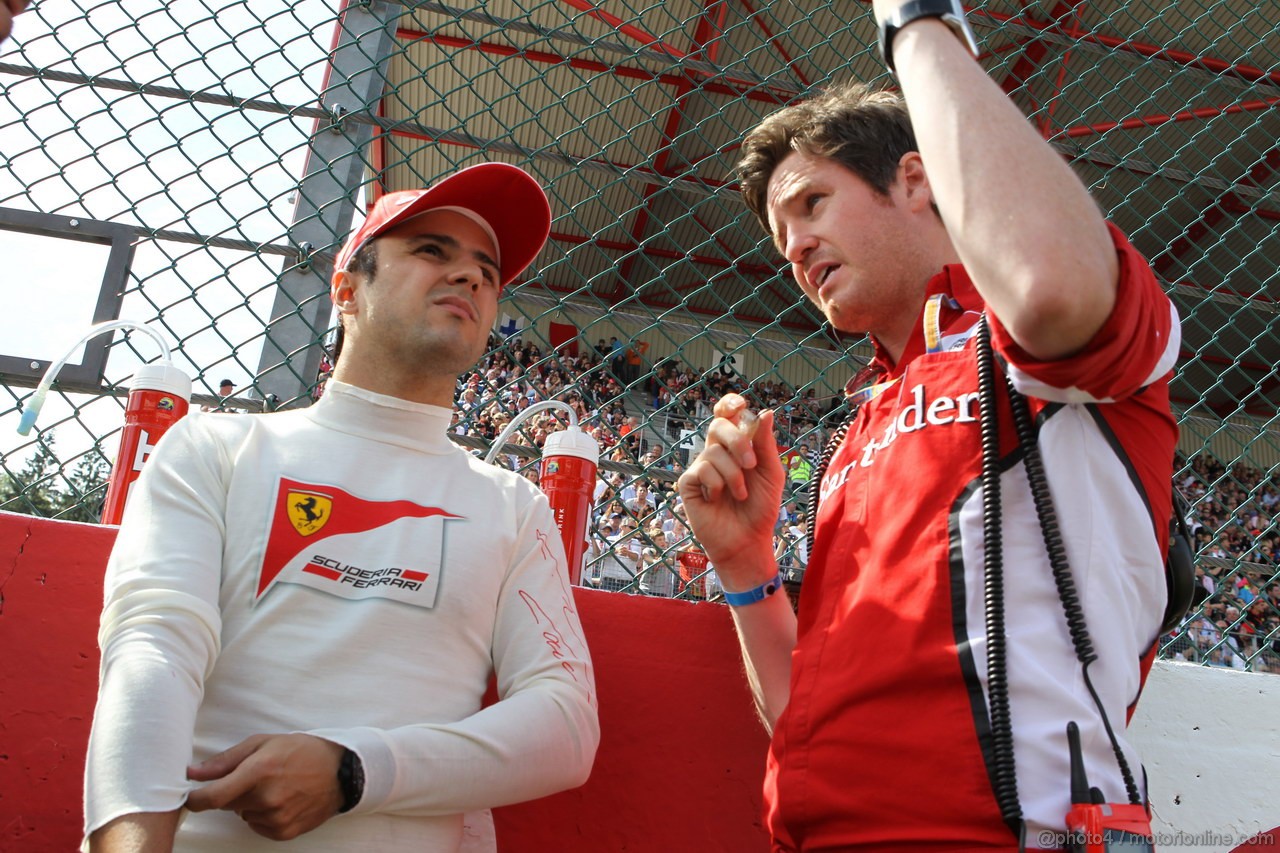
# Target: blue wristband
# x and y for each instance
(751, 596)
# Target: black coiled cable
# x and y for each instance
(1049, 529)
(1004, 769)
(824, 461)
(864, 377)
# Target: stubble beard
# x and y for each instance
(441, 352)
(437, 349)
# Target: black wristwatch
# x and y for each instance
(949, 11)
(350, 780)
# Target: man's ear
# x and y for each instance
(915, 182)
(343, 291)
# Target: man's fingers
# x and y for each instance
(226, 761)
(766, 446)
(725, 472)
(724, 433)
(704, 481)
(729, 406)
(718, 471)
(227, 785)
(222, 793)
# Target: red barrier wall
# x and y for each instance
(681, 754)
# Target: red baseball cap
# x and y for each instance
(507, 198)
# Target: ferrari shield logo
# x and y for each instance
(308, 511)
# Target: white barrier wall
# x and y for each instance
(1210, 739)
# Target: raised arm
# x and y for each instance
(1032, 239)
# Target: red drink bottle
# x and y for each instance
(159, 396)
(568, 477)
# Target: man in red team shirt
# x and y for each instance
(911, 234)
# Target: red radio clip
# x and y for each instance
(1096, 826)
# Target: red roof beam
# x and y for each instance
(641, 222)
(1061, 13)
(1147, 51)
(628, 30)
(705, 44)
(1155, 120)
(744, 90)
(1121, 45)
(1233, 204)
(1213, 214)
(635, 33)
(1251, 366)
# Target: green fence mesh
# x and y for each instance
(223, 151)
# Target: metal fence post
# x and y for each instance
(322, 217)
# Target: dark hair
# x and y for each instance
(365, 261)
(865, 130)
(339, 337)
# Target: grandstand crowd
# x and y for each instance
(1235, 620)
(641, 416)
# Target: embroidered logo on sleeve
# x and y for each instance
(331, 540)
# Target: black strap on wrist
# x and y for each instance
(951, 12)
(350, 780)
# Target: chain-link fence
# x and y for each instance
(194, 165)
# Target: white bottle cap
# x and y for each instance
(162, 376)
(571, 442)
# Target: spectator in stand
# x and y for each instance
(617, 357)
(666, 517)
(607, 487)
(642, 502)
(634, 360)
(791, 549)
(630, 434)
(617, 557)
(788, 513)
(598, 543)
(652, 457)
(656, 578)
(226, 390)
(1206, 582)
(322, 376)
(798, 474)
(1221, 656)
